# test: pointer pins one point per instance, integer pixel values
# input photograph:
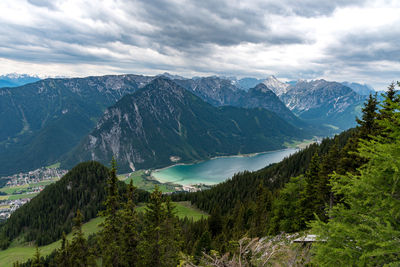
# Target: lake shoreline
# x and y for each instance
(218, 157)
(249, 155)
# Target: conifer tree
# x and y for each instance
(129, 235)
(154, 216)
(215, 221)
(36, 261)
(350, 160)
(170, 235)
(368, 124)
(286, 211)
(389, 106)
(238, 228)
(161, 240)
(325, 196)
(364, 230)
(390, 98)
(203, 245)
(309, 201)
(63, 257)
(109, 241)
(263, 206)
(78, 250)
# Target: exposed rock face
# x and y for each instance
(214, 90)
(323, 102)
(222, 92)
(163, 122)
(278, 87)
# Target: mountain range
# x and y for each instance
(163, 121)
(44, 121)
(361, 89)
(14, 80)
(324, 103)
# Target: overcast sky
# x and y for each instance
(344, 40)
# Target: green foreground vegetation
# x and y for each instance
(23, 252)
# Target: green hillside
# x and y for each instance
(43, 120)
(84, 188)
(23, 252)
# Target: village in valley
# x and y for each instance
(22, 187)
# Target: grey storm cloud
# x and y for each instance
(215, 37)
(187, 26)
(373, 46)
(309, 8)
(204, 22)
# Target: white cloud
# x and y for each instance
(336, 40)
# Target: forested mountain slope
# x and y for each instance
(163, 121)
(41, 121)
(50, 213)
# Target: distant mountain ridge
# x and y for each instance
(361, 89)
(163, 120)
(14, 79)
(322, 102)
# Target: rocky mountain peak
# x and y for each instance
(275, 85)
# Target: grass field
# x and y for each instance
(183, 209)
(13, 189)
(299, 144)
(19, 196)
(23, 252)
(54, 166)
(47, 182)
(142, 180)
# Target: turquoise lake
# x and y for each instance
(217, 170)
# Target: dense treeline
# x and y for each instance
(49, 214)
